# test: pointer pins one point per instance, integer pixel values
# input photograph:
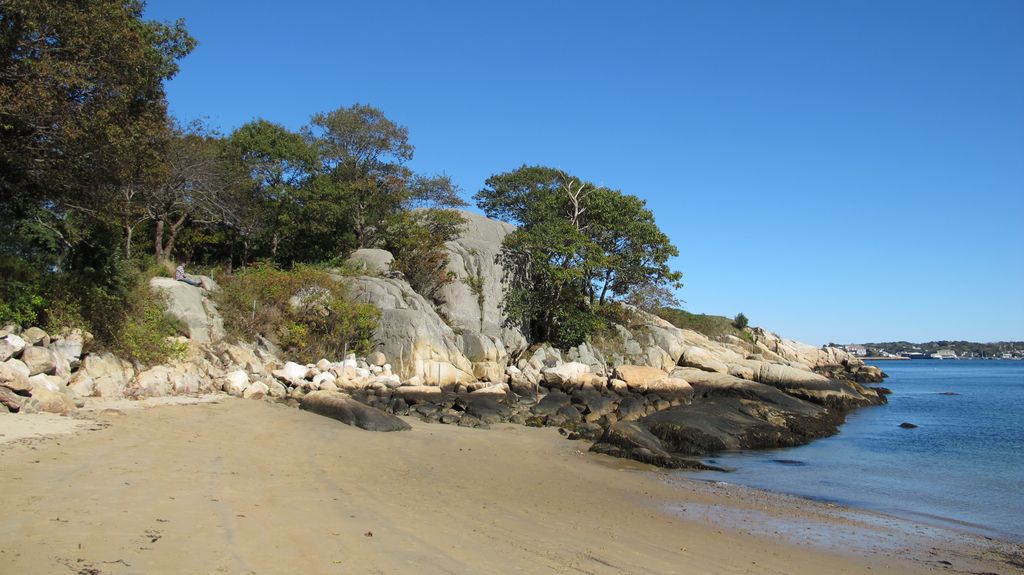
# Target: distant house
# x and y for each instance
(944, 354)
(857, 350)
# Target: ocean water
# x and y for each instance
(962, 467)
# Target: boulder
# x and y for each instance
(729, 423)
(40, 380)
(36, 336)
(292, 373)
(235, 383)
(195, 312)
(701, 358)
(39, 360)
(236, 355)
(565, 376)
(377, 358)
(11, 400)
(256, 390)
(70, 346)
(8, 350)
(110, 374)
(420, 393)
(46, 400)
(14, 376)
(350, 412)
(410, 333)
(82, 385)
(498, 390)
(371, 261)
(153, 382)
(633, 441)
(639, 377)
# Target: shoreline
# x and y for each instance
(270, 487)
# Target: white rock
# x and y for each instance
(256, 390)
(49, 382)
(323, 377)
(323, 365)
(154, 382)
(235, 383)
(565, 376)
(291, 372)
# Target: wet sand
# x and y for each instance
(251, 487)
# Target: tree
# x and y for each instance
(194, 187)
(363, 157)
(78, 83)
(274, 165)
(577, 244)
(81, 97)
(740, 321)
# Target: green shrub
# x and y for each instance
(146, 331)
(740, 321)
(303, 310)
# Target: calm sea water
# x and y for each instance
(963, 466)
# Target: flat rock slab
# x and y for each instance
(350, 412)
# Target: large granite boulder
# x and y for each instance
(371, 261)
(189, 304)
(411, 334)
(472, 303)
(350, 412)
(110, 374)
(39, 360)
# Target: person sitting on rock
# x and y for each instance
(180, 275)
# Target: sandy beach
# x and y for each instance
(235, 486)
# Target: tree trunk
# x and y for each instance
(158, 240)
(172, 233)
(128, 228)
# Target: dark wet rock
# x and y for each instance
(488, 409)
(551, 403)
(449, 419)
(729, 423)
(632, 440)
(349, 411)
(908, 425)
(631, 408)
(468, 420)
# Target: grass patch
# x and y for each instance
(713, 326)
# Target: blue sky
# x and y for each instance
(838, 171)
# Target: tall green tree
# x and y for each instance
(81, 98)
(273, 166)
(577, 245)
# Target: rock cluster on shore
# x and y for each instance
(650, 391)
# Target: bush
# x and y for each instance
(146, 331)
(740, 321)
(304, 310)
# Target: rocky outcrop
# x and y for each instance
(189, 304)
(350, 412)
(411, 334)
(472, 303)
(371, 261)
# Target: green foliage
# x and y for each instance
(740, 321)
(578, 246)
(146, 330)
(304, 310)
(416, 238)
